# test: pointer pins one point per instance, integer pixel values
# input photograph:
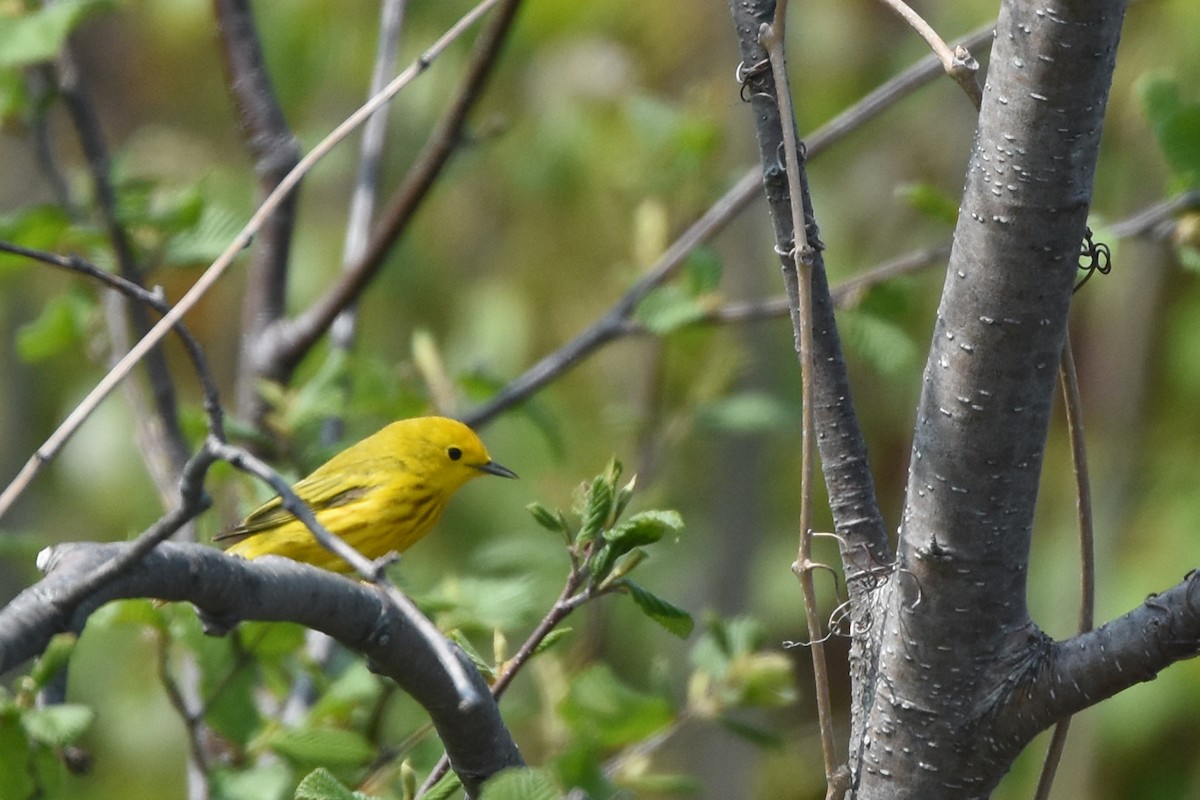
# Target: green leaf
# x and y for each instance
(599, 707)
(550, 520)
(14, 95)
(644, 528)
(59, 327)
(485, 668)
(520, 784)
(15, 757)
(930, 201)
(671, 617)
(272, 781)
(39, 35)
(667, 309)
(624, 495)
(444, 789)
(552, 638)
(603, 561)
(746, 413)
(597, 505)
(885, 346)
(330, 746)
(320, 784)
(702, 270)
(357, 688)
(54, 659)
(1176, 125)
(57, 725)
(1189, 257)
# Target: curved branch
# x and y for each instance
(228, 589)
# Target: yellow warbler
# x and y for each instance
(381, 494)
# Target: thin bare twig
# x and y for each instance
(153, 299)
(747, 189)
(958, 62)
(1073, 403)
(797, 267)
(1157, 221)
(123, 367)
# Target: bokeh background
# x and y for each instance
(608, 128)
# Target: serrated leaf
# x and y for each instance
(330, 746)
(320, 784)
(671, 617)
(597, 506)
(643, 528)
(39, 35)
(520, 784)
(886, 347)
(550, 520)
(602, 562)
(57, 725)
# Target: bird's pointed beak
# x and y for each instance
(492, 468)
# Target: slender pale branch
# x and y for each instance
(798, 267)
(1073, 404)
(122, 368)
(958, 62)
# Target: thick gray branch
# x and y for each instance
(228, 590)
(958, 637)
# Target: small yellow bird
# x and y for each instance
(379, 495)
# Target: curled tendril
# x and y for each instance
(1093, 257)
(748, 74)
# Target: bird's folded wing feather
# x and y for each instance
(320, 491)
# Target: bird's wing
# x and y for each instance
(321, 490)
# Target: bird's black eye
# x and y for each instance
(454, 453)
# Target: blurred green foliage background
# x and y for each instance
(606, 129)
